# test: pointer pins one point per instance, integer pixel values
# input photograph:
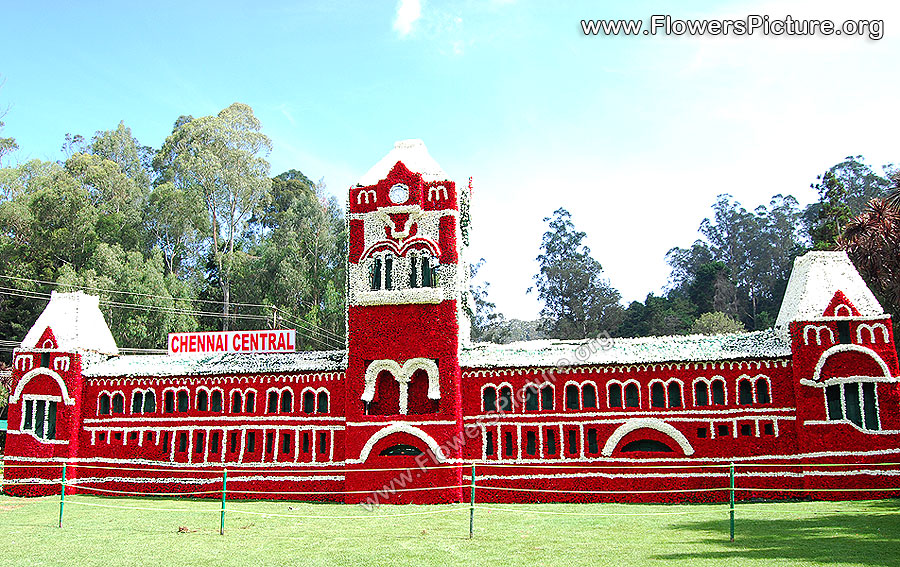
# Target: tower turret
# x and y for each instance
(405, 288)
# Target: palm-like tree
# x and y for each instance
(872, 240)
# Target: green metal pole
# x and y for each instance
(62, 494)
(731, 506)
(224, 485)
(472, 505)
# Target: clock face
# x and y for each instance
(399, 193)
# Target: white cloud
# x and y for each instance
(408, 12)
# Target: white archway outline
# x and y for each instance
(402, 428)
(836, 349)
(646, 423)
(817, 329)
(873, 336)
(403, 374)
(69, 401)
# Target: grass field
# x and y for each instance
(801, 533)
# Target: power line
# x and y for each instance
(322, 330)
(329, 344)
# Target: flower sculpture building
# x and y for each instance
(406, 409)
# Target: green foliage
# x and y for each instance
(716, 323)
(832, 212)
(481, 311)
(671, 314)
(742, 266)
(220, 158)
(578, 301)
(844, 190)
(152, 309)
(158, 231)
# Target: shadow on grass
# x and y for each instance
(767, 532)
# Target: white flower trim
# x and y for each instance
(403, 374)
(17, 393)
(873, 336)
(436, 450)
(817, 373)
(646, 423)
(818, 330)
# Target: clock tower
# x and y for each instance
(404, 321)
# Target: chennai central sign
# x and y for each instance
(232, 341)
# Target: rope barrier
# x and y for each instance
(216, 468)
(356, 516)
(107, 491)
(391, 490)
(578, 467)
(567, 491)
(550, 512)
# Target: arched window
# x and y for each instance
(673, 388)
(375, 274)
(387, 395)
(273, 402)
(589, 396)
(657, 395)
(149, 401)
(170, 402)
(632, 396)
(489, 399)
(701, 393)
(309, 401)
(615, 395)
(104, 404)
(202, 400)
(236, 402)
(250, 405)
(215, 401)
(505, 403)
(547, 397)
(137, 401)
(531, 399)
(388, 271)
(718, 392)
(860, 403)
(572, 395)
(413, 272)
(417, 400)
(118, 403)
(762, 391)
(322, 402)
(745, 392)
(287, 401)
(182, 400)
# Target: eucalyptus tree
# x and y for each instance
(223, 159)
(578, 301)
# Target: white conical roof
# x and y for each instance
(414, 156)
(816, 277)
(76, 322)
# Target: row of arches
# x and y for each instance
(627, 394)
(177, 400)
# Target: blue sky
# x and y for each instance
(635, 135)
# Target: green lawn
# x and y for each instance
(806, 533)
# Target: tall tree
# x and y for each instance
(296, 259)
(844, 190)
(121, 147)
(757, 250)
(222, 157)
(578, 301)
